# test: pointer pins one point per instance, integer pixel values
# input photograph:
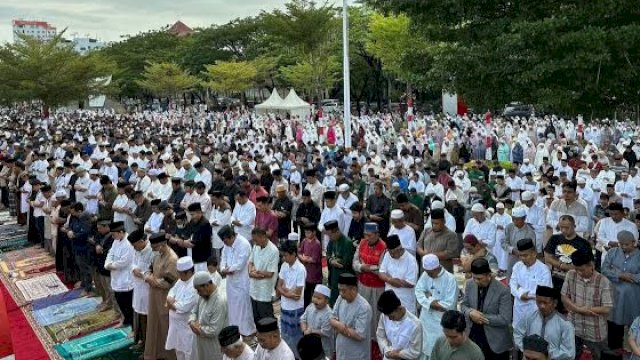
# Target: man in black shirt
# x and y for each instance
(282, 208)
(308, 212)
(200, 243)
(558, 251)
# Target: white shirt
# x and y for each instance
(526, 280)
(142, 261)
(485, 231)
(205, 177)
(185, 295)
(218, 219)
(292, 276)
(608, 232)
(120, 258)
(246, 215)
(407, 237)
(437, 189)
(264, 259)
(159, 190)
(94, 190)
(405, 268)
(280, 352)
(154, 222)
(627, 191)
(404, 335)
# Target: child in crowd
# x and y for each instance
(316, 319)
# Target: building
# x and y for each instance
(41, 30)
(180, 29)
(83, 45)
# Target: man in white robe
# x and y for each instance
(399, 271)
(141, 263)
(154, 222)
(482, 228)
(610, 227)
(626, 188)
(234, 264)
(399, 332)
(405, 232)
(329, 213)
(436, 292)
(92, 192)
(181, 300)
(243, 217)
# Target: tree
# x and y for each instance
(315, 75)
(231, 76)
(49, 71)
(565, 56)
(133, 55)
(166, 79)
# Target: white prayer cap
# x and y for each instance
(437, 205)
(184, 263)
(188, 152)
(293, 237)
(395, 184)
(430, 262)
(93, 172)
(61, 194)
(343, 187)
(473, 189)
(459, 173)
(201, 277)
(153, 172)
(527, 195)
(321, 289)
(397, 214)
(499, 205)
(165, 157)
(107, 160)
(519, 212)
(451, 196)
(526, 161)
(478, 208)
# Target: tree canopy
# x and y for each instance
(166, 79)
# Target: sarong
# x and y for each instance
(290, 328)
(59, 313)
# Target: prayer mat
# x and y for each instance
(82, 325)
(40, 304)
(26, 268)
(122, 354)
(95, 345)
(63, 312)
(40, 287)
(22, 254)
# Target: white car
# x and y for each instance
(331, 105)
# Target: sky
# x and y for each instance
(109, 19)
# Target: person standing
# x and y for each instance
(234, 265)
(102, 278)
(487, 303)
(517, 230)
(161, 277)
(315, 319)
(546, 322)
(528, 274)
(291, 282)
(586, 294)
(182, 298)
(351, 320)
(200, 231)
(208, 318)
(141, 263)
(243, 217)
(220, 216)
(120, 261)
(399, 332)
(263, 274)
(78, 233)
(436, 292)
(440, 241)
(399, 271)
(340, 253)
(622, 267)
(331, 212)
(310, 255)
(366, 263)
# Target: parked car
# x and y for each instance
(518, 109)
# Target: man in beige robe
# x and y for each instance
(161, 278)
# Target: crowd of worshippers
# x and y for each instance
(214, 247)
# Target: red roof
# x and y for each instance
(42, 24)
(180, 29)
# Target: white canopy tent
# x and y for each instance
(271, 105)
(296, 106)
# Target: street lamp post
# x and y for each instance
(346, 74)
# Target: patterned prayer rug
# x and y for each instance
(56, 299)
(95, 345)
(40, 287)
(22, 254)
(63, 312)
(26, 268)
(82, 325)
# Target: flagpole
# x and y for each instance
(346, 75)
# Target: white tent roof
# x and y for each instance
(292, 101)
(273, 102)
